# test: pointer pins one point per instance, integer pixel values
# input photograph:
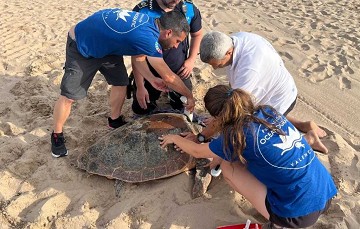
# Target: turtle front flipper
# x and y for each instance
(202, 178)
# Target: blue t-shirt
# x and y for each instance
(117, 32)
(174, 57)
(297, 182)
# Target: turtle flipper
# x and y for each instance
(119, 186)
(202, 178)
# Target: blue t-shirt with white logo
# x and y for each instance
(117, 32)
(297, 182)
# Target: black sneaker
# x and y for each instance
(116, 123)
(58, 148)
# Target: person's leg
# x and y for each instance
(154, 95)
(314, 141)
(243, 182)
(79, 72)
(61, 113)
(312, 133)
(116, 100)
(137, 109)
(115, 73)
(306, 126)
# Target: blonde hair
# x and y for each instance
(233, 110)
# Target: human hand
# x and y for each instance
(190, 104)
(186, 69)
(166, 140)
(142, 97)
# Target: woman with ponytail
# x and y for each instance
(264, 158)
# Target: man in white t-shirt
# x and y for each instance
(254, 66)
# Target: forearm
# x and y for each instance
(209, 131)
(175, 83)
(139, 79)
(172, 80)
(141, 70)
(195, 45)
(194, 149)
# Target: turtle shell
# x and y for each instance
(132, 152)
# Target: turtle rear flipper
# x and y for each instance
(202, 178)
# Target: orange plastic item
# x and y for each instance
(240, 226)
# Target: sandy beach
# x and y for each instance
(319, 41)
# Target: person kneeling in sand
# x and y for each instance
(180, 60)
(255, 66)
(264, 158)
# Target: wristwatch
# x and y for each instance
(200, 137)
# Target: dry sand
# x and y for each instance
(318, 40)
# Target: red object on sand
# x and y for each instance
(240, 226)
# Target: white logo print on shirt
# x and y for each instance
(284, 151)
(122, 14)
(123, 21)
(290, 140)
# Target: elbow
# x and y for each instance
(169, 80)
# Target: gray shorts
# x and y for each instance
(80, 71)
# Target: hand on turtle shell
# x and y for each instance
(166, 140)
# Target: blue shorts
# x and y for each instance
(80, 71)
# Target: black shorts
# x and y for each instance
(297, 222)
(80, 71)
(154, 95)
(290, 108)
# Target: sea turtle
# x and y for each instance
(132, 153)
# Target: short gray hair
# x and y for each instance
(214, 45)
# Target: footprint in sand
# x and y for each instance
(313, 25)
(349, 70)
(11, 129)
(282, 41)
(305, 47)
(214, 23)
(319, 68)
(332, 26)
(287, 55)
(344, 83)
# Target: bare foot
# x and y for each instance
(320, 132)
(315, 142)
(306, 126)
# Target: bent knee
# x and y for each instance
(66, 99)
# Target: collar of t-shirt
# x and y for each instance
(154, 5)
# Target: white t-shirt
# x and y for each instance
(258, 69)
